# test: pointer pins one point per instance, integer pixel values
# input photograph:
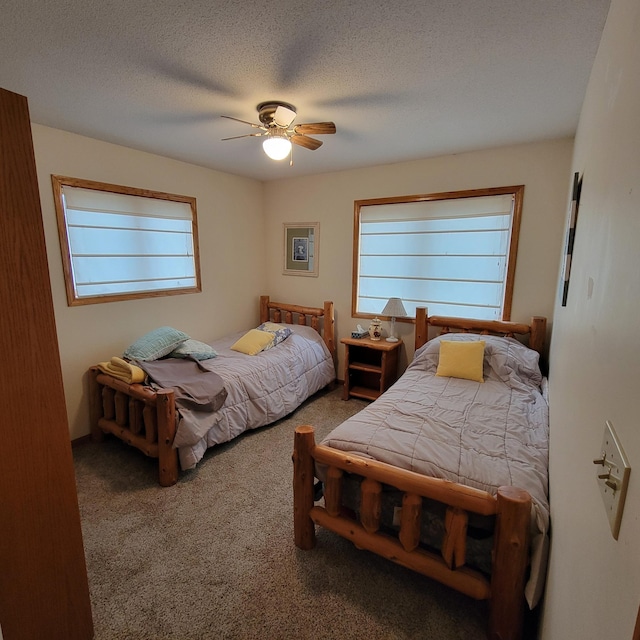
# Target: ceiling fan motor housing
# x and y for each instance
(267, 113)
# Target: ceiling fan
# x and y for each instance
(276, 128)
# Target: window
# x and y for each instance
(121, 243)
(454, 253)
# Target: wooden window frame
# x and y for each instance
(518, 197)
(59, 182)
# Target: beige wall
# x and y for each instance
(593, 588)
(232, 271)
(328, 199)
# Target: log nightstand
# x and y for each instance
(371, 367)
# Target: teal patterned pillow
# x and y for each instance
(194, 349)
(155, 344)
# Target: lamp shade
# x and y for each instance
(394, 308)
(277, 147)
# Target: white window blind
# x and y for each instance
(450, 255)
(124, 245)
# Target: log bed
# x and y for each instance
(147, 419)
(511, 506)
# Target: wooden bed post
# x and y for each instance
(95, 406)
(510, 549)
(167, 455)
(303, 476)
(264, 309)
(538, 335)
(422, 326)
(329, 329)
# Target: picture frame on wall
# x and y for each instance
(301, 249)
(301, 244)
(570, 236)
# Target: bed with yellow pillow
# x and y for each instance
(446, 472)
(196, 395)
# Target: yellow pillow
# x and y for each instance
(253, 342)
(461, 360)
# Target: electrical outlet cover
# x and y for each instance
(613, 477)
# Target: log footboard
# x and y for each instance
(139, 416)
(504, 590)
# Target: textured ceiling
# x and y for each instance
(402, 80)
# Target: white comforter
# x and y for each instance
(260, 389)
(484, 435)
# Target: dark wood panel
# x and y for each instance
(43, 587)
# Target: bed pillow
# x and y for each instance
(516, 364)
(253, 342)
(461, 360)
(505, 359)
(155, 344)
(280, 332)
(194, 349)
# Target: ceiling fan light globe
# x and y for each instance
(277, 148)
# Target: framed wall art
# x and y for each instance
(570, 236)
(301, 243)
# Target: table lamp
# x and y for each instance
(393, 308)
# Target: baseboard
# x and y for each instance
(76, 442)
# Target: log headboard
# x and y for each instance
(536, 330)
(283, 312)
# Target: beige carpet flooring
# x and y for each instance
(213, 556)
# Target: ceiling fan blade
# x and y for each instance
(316, 128)
(246, 135)
(251, 124)
(283, 116)
(306, 142)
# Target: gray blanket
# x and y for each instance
(195, 387)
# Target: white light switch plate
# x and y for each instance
(613, 477)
